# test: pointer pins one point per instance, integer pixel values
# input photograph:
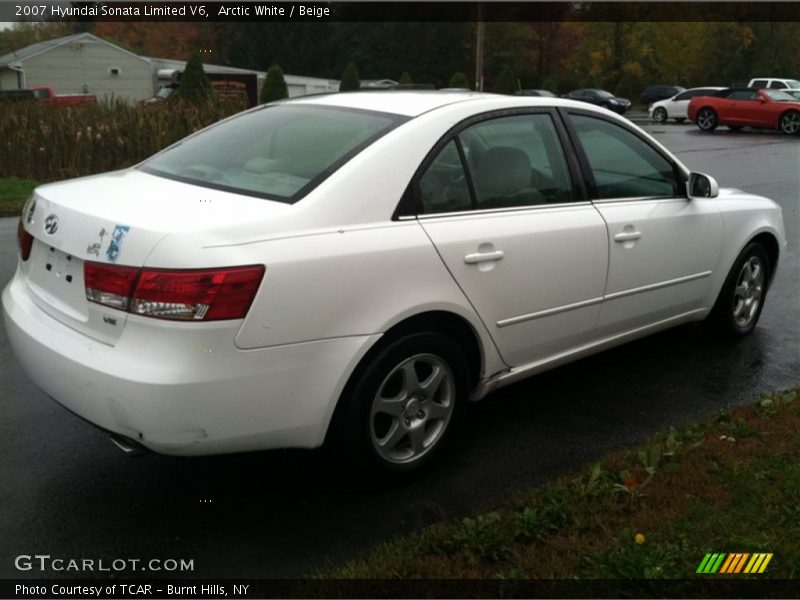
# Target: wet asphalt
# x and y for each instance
(66, 492)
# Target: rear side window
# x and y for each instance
(443, 187)
(513, 161)
(280, 152)
(759, 84)
(623, 164)
(516, 161)
(688, 95)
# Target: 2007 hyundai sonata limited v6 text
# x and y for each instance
(351, 269)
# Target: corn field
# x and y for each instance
(48, 142)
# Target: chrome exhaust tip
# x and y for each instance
(128, 446)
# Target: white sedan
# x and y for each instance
(351, 269)
(676, 107)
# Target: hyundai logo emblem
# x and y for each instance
(51, 224)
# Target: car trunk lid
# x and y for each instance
(118, 218)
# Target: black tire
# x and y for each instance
(707, 119)
(735, 127)
(742, 297)
(680, 120)
(660, 115)
(789, 122)
(359, 424)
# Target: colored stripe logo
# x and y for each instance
(734, 563)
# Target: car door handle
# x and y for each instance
(479, 257)
(627, 236)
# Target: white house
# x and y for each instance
(80, 63)
(85, 63)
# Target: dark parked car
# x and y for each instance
(654, 93)
(600, 98)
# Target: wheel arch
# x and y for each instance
(704, 107)
(771, 245)
(442, 321)
(782, 114)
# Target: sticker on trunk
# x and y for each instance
(95, 248)
(115, 245)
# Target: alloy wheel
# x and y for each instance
(707, 119)
(412, 408)
(748, 291)
(790, 122)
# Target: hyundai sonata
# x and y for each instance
(351, 269)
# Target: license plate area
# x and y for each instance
(55, 280)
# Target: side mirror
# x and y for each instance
(701, 185)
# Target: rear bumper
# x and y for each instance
(181, 388)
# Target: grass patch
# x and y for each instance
(729, 484)
(13, 193)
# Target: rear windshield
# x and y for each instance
(279, 152)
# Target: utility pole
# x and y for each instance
(479, 50)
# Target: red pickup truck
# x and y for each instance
(47, 94)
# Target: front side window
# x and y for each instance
(743, 95)
(623, 164)
(279, 152)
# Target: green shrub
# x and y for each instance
(405, 78)
(350, 81)
(506, 83)
(274, 87)
(459, 80)
(195, 86)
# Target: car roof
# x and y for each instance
(415, 103)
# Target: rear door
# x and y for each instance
(500, 201)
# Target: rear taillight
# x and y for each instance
(25, 241)
(184, 295)
(109, 284)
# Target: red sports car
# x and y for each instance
(746, 107)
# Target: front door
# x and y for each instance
(662, 246)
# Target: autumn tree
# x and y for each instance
(175, 40)
(24, 34)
